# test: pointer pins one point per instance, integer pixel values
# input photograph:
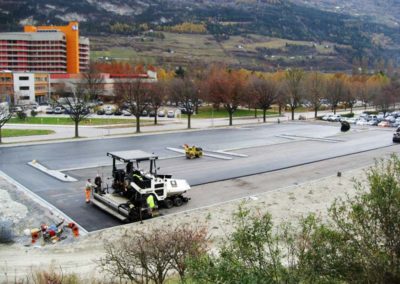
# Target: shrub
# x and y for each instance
(360, 244)
(34, 113)
(350, 114)
(150, 256)
(21, 115)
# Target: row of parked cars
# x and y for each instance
(389, 119)
(109, 110)
(61, 110)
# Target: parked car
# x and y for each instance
(390, 118)
(161, 113)
(171, 114)
(396, 136)
(351, 120)
(384, 124)
(49, 110)
(109, 110)
(144, 113)
(118, 112)
(373, 122)
(335, 117)
(101, 112)
(326, 117)
(152, 113)
(126, 113)
(58, 110)
(362, 121)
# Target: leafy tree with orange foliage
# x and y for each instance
(226, 87)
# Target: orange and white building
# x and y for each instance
(46, 49)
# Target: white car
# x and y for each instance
(171, 114)
(335, 117)
(362, 122)
(108, 110)
(126, 113)
(351, 120)
(58, 110)
(327, 117)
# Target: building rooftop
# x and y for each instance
(32, 36)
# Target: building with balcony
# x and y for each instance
(49, 49)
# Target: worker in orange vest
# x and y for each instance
(88, 189)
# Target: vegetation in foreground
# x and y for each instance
(25, 132)
(358, 244)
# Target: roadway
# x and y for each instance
(268, 148)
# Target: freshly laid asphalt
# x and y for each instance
(269, 147)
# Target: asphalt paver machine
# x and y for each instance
(126, 199)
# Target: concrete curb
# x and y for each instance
(54, 173)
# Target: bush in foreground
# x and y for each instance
(360, 243)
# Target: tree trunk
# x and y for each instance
(334, 110)
(292, 108)
(155, 117)
(230, 118)
(280, 110)
(0, 136)
(138, 123)
(189, 116)
(255, 112)
(265, 115)
(76, 129)
(351, 109)
(315, 112)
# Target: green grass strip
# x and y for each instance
(208, 112)
(24, 132)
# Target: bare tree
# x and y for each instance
(157, 94)
(187, 93)
(77, 106)
(93, 82)
(148, 257)
(315, 86)
(294, 79)
(265, 92)
(189, 243)
(5, 116)
(336, 90)
(387, 97)
(135, 95)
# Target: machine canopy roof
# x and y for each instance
(133, 155)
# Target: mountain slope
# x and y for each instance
(221, 19)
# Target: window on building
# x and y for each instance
(24, 98)
(23, 78)
(24, 88)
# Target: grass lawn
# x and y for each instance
(208, 112)
(24, 132)
(68, 121)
